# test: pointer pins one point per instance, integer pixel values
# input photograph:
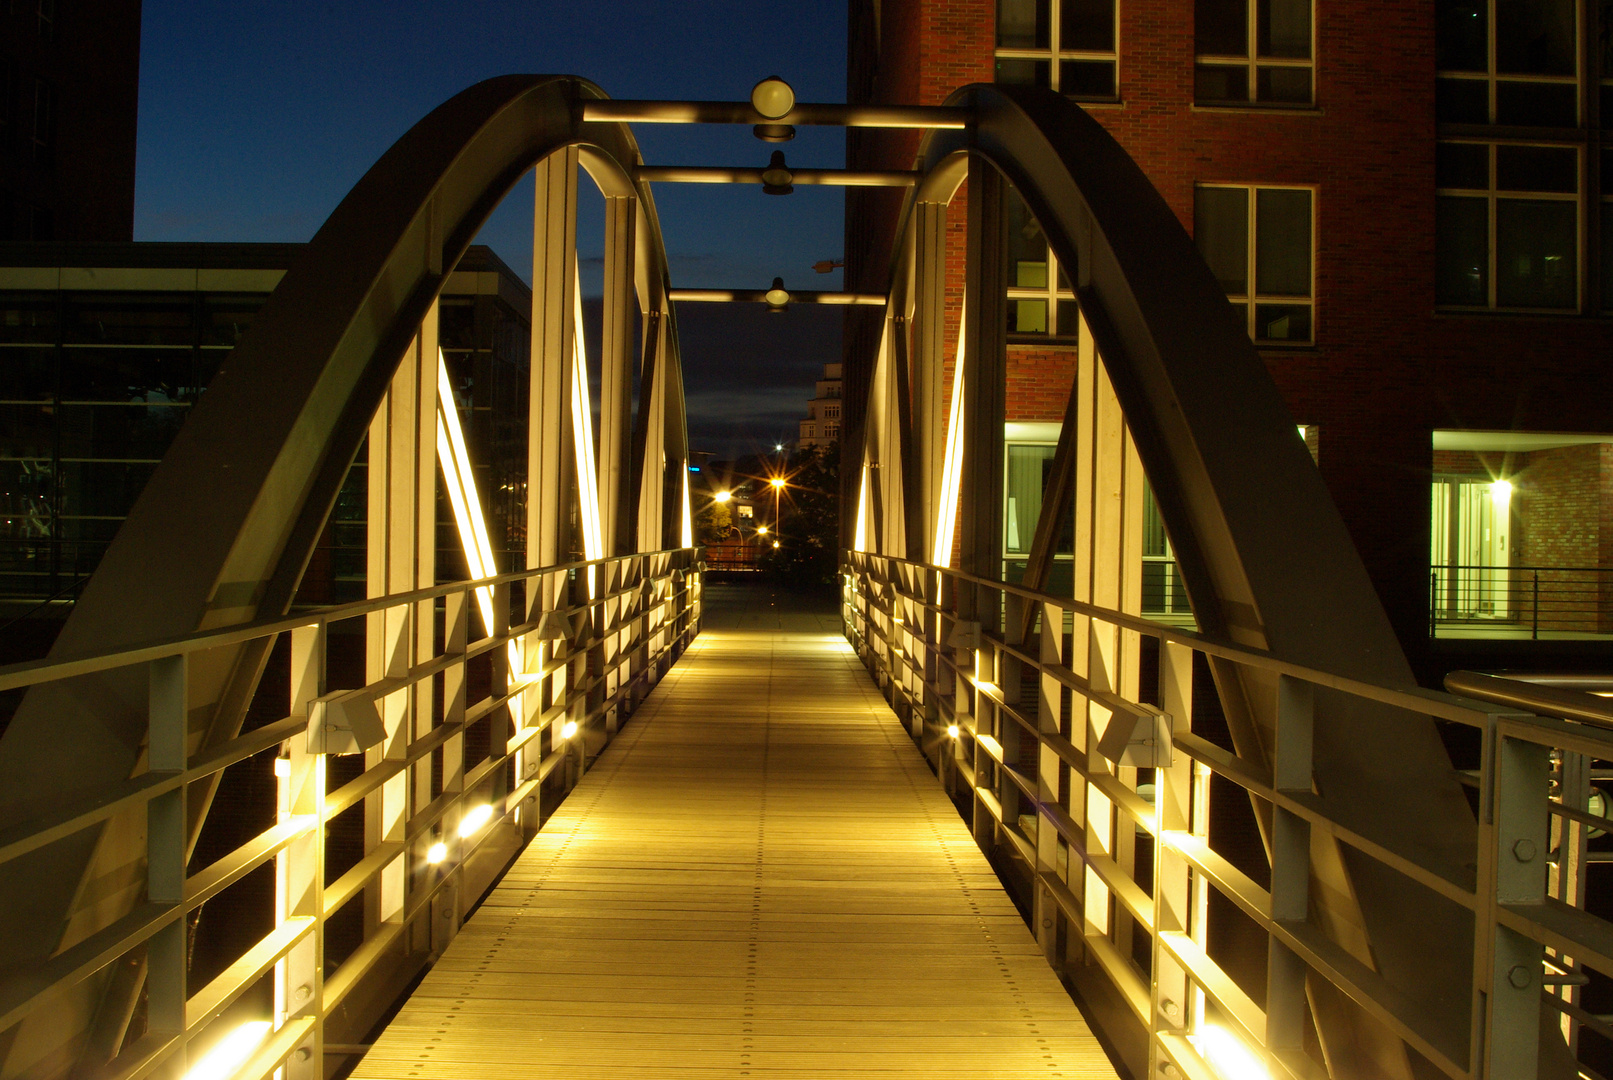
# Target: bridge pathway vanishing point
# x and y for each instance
(759, 877)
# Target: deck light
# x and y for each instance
(723, 496)
(1229, 1057)
(436, 853)
(777, 297)
(952, 731)
(231, 1052)
(475, 819)
(569, 730)
(773, 98)
(777, 179)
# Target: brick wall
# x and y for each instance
(1386, 368)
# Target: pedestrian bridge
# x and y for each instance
(759, 877)
(544, 819)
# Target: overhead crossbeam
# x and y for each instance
(714, 174)
(759, 296)
(742, 112)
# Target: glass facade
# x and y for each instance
(96, 385)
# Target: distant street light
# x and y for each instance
(723, 496)
(777, 481)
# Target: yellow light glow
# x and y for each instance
(859, 539)
(775, 543)
(761, 530)
(231, 1052)
(952, 731)
(1229, 1057)
(688, 513)
(723, 496)
(569, 730)
(1501, 492)
(460, 481)
(282, 766)
(473, 820)
(952, 469)
(777, 481)
(582, 435)
(436, 853)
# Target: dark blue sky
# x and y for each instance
(257, 117)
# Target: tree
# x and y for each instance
(809, 527)
(712, 524)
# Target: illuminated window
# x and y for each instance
(1252, 52)
(1258, 242)
(1507, 62)
(1040, 299)
(1507, 226)
(1064, 45)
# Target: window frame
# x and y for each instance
(1252, 62)
(1494, 194)
(1252, 298)
(1054, 53)
(1491, 76)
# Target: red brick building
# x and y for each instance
(1411, 204)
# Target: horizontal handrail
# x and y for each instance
(904, 621)
(1533, 697)
(32, 672)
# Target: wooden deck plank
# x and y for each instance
(758, 878)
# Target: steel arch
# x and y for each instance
(1267, 559)
(225, 527)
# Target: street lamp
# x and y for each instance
(778, 486)
(723, 496)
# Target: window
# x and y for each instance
(831, 412)
(1040, 299)
(1258, 242)
(1507, 226)
(1607, 231)
(831, 431)
(1508, 62)
(1252, 52)
(1064, 45)
(44, 126)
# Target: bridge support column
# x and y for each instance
(984, 371)
(615, 426)
(401, 557)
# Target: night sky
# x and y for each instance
(257, 117)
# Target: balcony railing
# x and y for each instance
(1520, 601)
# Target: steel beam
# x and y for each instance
(693, 174)
(742, 112)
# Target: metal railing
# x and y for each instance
(1511, 601)
(1113, 831)
(450, 786)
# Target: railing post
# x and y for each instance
(166, 839)
(1290, 868)
(1173, 888)
(300, 871)
(1521, 777)
(1535, 634)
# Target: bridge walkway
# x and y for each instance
(759, 878)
